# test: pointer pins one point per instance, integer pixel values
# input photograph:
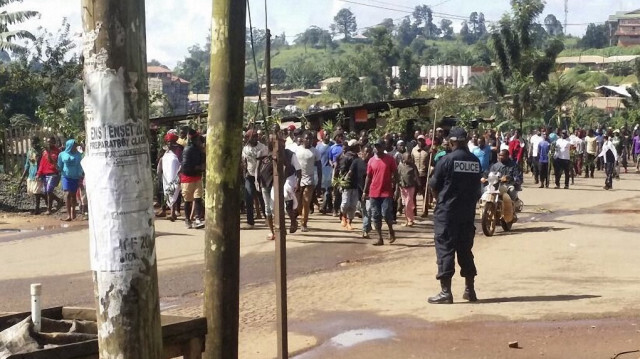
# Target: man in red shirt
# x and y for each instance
(379, 188)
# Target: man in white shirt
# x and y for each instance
(610, 156)
(309, 159)
(534, 142)
(562, 159)
(250, 154)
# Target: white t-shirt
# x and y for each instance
(307, 157)
(471, 146)
(562, 149)
(251, 154)
(535, 141)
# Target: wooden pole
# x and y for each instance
(223, 184)
(118, 179)
(426, 205)
(267, 71)
(281, 244)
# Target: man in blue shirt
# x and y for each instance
(483, 152)
(324, 148)
(336, 150)
(543, 160)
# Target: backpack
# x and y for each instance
(265, 171)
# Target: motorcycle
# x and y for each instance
(497, 206)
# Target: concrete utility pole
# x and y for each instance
(224, 145)
(118, 178)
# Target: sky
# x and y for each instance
(175, 25)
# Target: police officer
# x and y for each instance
(455, 184)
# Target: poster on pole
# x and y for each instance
(117, 169)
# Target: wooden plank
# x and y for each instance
(12, 319)
(181, 336)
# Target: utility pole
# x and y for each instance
(267, 72)
(281, 242)
(118, 178)
(224, 145)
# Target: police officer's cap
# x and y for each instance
(457, 134)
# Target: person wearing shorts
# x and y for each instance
(49, 174)
(191, 181)
(69, 165)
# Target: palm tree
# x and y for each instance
(522, 67)
(560, 90)
(11, 18)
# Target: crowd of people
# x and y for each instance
(343, 174)
(46, 167)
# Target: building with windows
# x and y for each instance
(446, 75)
(624, 27)
(164, 81)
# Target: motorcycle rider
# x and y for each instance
(510, 174)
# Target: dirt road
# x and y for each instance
(564, 283)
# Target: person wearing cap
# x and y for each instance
(455, 184)
(290, 135)
(379, 188)
(562, 159)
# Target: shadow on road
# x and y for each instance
(533, 230)
(540, 298)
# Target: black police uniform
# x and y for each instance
(457, 181)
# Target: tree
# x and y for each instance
(406, 32)
(424, 16)
(465, 33)
(388, 24)
(11, 18)
(345, 23)
(553, 25)
(315, 37)
(522, 68)
(195, 67)
(409, 79)
(60, 80)
(447, 29)
(302, 74)
(597, 36)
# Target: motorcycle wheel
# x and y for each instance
(488, 219)
(506, 226)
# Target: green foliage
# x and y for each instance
(7, 36)
(302, 73)
(409, 80)
(159, 105)
(597, 36)
(195, 67)
(62, 106)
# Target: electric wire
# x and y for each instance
(255, 65)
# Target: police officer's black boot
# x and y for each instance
(445, 296)
(469, 290)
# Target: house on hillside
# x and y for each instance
(593, 63)
(164, 81)
(324, 84)
(609, 98)
(624, 27)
